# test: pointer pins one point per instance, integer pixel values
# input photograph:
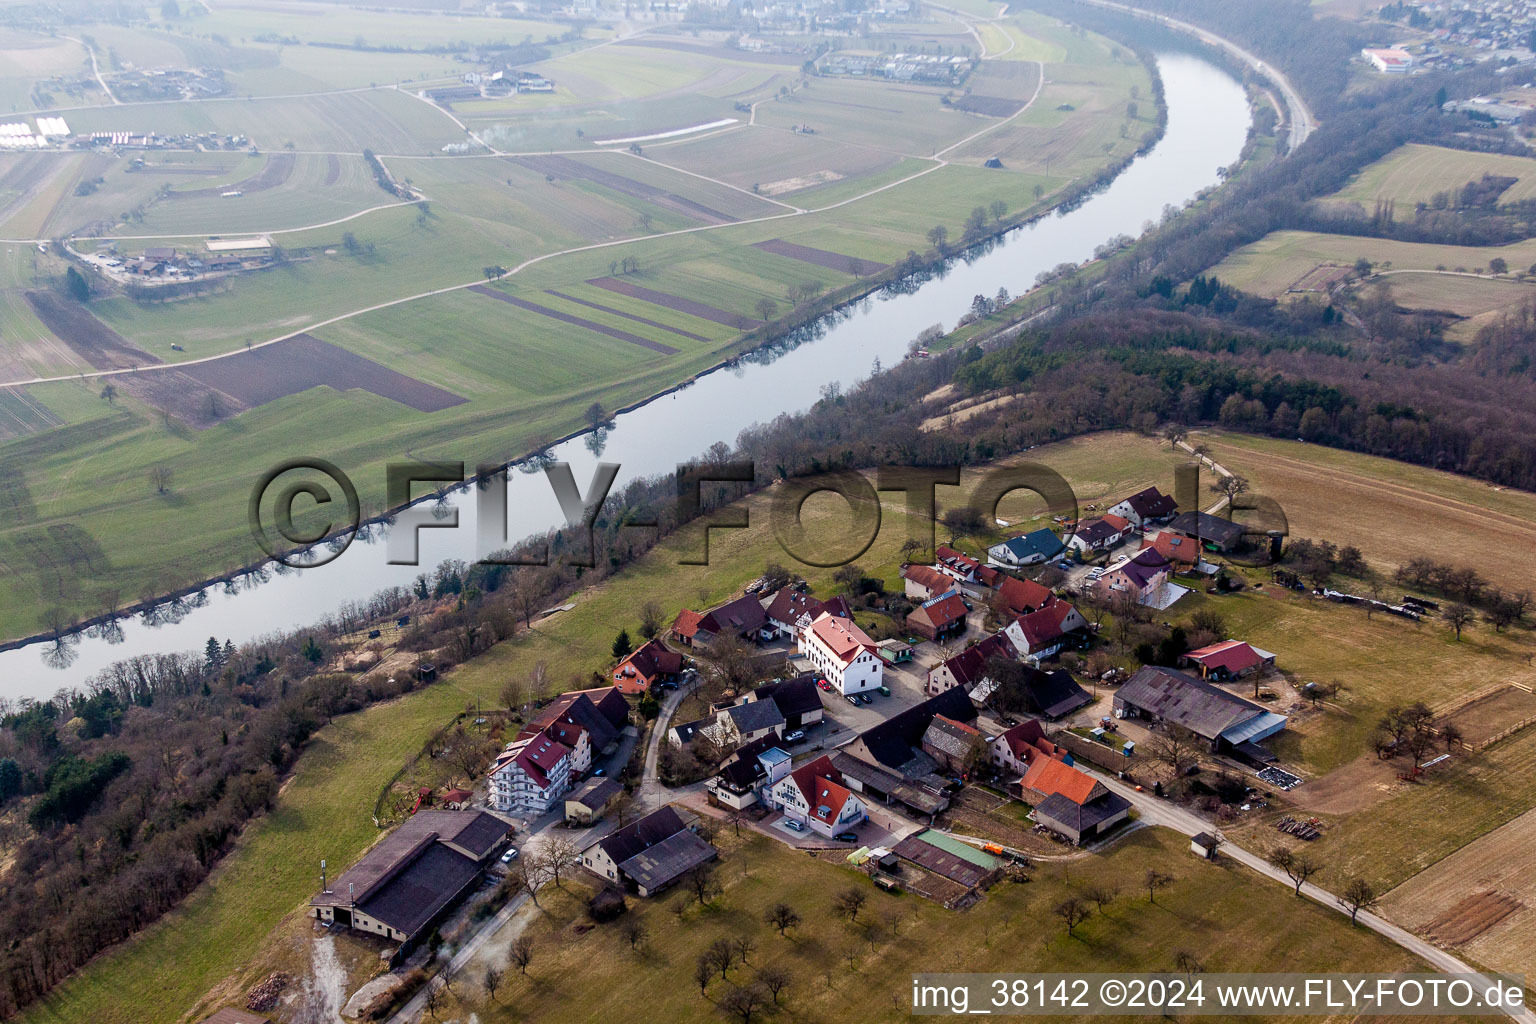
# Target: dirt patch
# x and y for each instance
(303, 361)
(1471, 917)
(565, 169)
(332, 169)
(785, 185)
(95, 342)
(1321, 278)
(1355, 787)
(575, 321)
(203, 394)
(628, 316)
(820, 257)
(692, 308)
(991, 106)
(178, 170)
(278, 169)
(1494, 715)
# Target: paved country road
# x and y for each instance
(1157, 811)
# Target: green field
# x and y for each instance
(1277, 261)
(1414, 173)
(684, 209)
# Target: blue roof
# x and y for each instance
(772, 756)
(1043, 542)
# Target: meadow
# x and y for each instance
(683, 211)
(1275, 262)
(1415, 173)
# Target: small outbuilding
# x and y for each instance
(1204, 845)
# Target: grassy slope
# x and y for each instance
(1210, 910)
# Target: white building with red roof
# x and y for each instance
(816, 795)
(1042, 633)
(531, 775)
(843, 654)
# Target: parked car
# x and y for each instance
(794, 736)
(793, 825)
(599, 773)
(865, 698)
(824, 685)
(847, 837)
(885, 691)
(510, 855)
(851, 699)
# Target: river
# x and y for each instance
(1208, 120)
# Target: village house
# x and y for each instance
(530, 775)
(1018, 597)
(1069, 802)
(1144, 507)
(1223, 720)
(590, 801)
(796, 698)
(792, 611)
(939, 618)
(1228, 660)
(648, 855)
(843, 654)
(745, 722)
(1041, 634)
(959, 567)
(887, 762)
(1180, 552)
(1016, 749)
(404, 885)
(1141, 575)
(1213, 532)
(1030, 549)
(968, 669)
(741, 778)
(815, 795)
(954, 746)
(1099, 534)
(922, 582)
(647, 665)
(743, 617)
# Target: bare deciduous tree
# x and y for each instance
(521, 953)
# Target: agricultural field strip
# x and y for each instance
(54, 111)
(1402, 491)
(1040, 84)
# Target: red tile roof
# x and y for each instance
(1177, 550)
(1043, 627)
(644, 666)
(929, 577)
(1026, 741)
(1118, 522)
(1233, 655)
(687, 622)
(823, 789)
(941, 613)
(842, 637)
(1023, 595)
(1050, 776)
